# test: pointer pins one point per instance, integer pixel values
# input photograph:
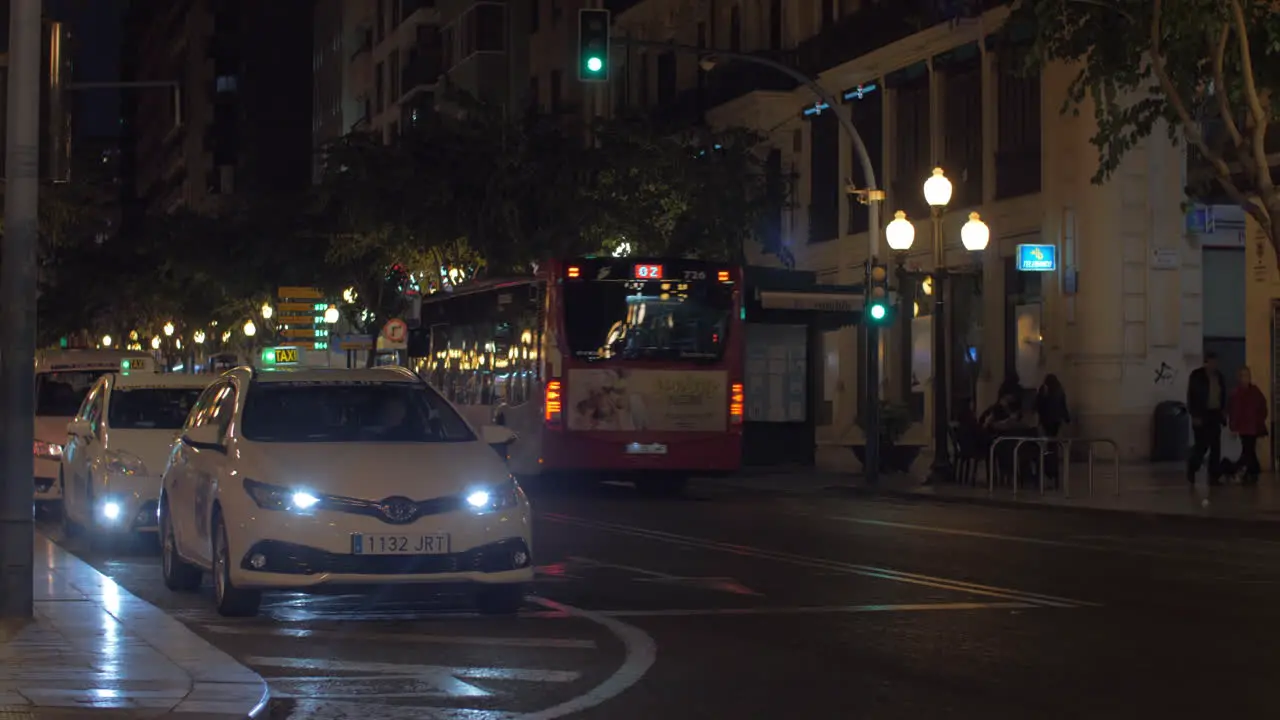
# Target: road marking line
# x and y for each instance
(721, 584)
(824, 564)
(640, 653)
(917, 607)
(415, 671)
(554, 643)
(307, 709)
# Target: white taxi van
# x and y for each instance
(353, 478)
(63, 379)
(117, 447)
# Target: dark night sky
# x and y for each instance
(96, 36)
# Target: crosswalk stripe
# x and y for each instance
(532, 642)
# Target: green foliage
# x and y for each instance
(452, 198)
(1209, 69)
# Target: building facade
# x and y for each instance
(242, 121)
(1119, 320)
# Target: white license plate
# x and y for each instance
(407, 544)
(641, 449)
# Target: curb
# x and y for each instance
(221, 687)
(862, 491)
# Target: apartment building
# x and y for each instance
(928, 85)
(242, 122)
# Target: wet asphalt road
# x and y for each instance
(736, 604)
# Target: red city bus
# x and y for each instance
(617, 368)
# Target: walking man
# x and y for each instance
(1206, 402)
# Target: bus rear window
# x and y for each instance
(60, 394)
(647, 320)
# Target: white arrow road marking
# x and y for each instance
(535, 642)
(723, 584)
(428, 680)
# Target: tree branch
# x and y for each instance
(1220, 87)
(1106, 6)
(1191, 130)
(1262, 171)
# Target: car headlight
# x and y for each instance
(46, 450)
(120, 462)
(275, 497)
(110, 509)
(494, 497)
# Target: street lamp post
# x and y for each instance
(900, 234)
(937, 192)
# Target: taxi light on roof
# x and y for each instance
(552, 402)
(575, 271)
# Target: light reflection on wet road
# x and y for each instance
(770, 606)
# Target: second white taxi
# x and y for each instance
(353, 478)
(117, 447)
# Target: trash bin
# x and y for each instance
(1171, 432)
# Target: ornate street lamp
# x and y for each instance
(249, 328)
(267, 311)
(168, 329)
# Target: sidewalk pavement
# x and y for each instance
(94, 651)
(1145, 489)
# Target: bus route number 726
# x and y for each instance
(695, 274)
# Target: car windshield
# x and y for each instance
(60, 394)
(350, 412)
(653, 320)
(151, 408)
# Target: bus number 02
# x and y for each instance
(695, 274)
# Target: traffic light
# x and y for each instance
(878, 311)
(593, 45)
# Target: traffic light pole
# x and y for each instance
(871, 195)
(18, 300)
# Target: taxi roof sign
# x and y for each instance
(136, 364)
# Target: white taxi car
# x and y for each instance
(63, 379)
(117, 447)
(311, 478)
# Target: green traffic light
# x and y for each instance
(878, 312)
(595, 64)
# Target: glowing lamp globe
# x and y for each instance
(250, 329)
(155, 343)
(106, 341)
(937, 189)
(900, 233)
(975, 234)
(331, 315)
(168, 329)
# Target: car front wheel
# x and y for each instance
(179, 575)
(231, 600)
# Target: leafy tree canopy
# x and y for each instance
(1210, 69)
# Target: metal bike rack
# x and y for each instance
(1115, 460)
(1045, 444)
(1065, 444)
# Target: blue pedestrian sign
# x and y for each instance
(1037, 258)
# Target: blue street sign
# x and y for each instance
(1037, 258)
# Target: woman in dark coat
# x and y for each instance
(1051, 413)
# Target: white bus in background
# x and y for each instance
(63, 379)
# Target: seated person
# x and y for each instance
(1005, 414)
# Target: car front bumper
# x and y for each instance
(47, 488)
(125, 504)
(285, 550)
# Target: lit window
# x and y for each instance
(226, 83)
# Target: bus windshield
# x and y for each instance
(647, 320)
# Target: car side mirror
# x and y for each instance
(204, 437)
(497, 435)
(80, 428)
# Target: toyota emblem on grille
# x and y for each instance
(399, 510)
